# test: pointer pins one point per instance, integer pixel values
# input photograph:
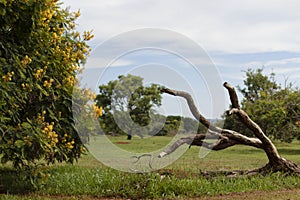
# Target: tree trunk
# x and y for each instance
(227, 138)
(129, 136)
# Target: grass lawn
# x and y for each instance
(89, 179)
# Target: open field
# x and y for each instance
(89, 179)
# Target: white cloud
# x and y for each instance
(98, 62)
(227, 25)
(121, 62)
(283, 62)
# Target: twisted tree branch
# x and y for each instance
(226, 138)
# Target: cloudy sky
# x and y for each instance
(176, 39)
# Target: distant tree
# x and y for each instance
(258, 85)
(129, 102)
(193, 126)
(276, 110)
(177, 124)
(172, 126)
(190, 125)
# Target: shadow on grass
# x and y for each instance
(14, 182)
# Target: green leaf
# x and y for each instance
(42, 90)
(19, 143)
(26, 125)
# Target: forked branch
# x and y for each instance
(225, 138)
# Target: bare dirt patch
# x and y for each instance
(122, 142)
(293, 194)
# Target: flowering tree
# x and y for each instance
(40, 55)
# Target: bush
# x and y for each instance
(40, 55)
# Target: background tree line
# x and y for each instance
(126, 98)
(275, 108)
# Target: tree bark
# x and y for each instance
(226, 138)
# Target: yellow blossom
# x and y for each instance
(26, 60)
(77, 14)
(98, 110)
(87, 35)
(38, 73)
(52, 135)
(77, 34)
(48, 84)
(69, 145)
(8, 76)
(70, 80)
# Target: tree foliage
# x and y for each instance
(274, 108)
(40, 55)
(126, 103)
(258, 85)
(183, 125)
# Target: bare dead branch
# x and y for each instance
(228, 138)
(176, 145)
(243, 116)
(269, 147)
(249, 123)
(233, 96)
(225, 138)
(242, 139)
(193, 108)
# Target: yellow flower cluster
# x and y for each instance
(70, 80)
(98, 110)
(26, 86)
(47, 15)
(48, 131)
(71, 25)
(8, 76)
(54, 35)
(48, 84)
(73, 68)
(70, 144)
(64, 139)
(76, 34)
(86, 50)
(77, 14)
(39, 72)
(26, 60)
(87, 35)
(41, 117)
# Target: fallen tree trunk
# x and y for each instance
(226, 138)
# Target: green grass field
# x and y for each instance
(89, 179)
